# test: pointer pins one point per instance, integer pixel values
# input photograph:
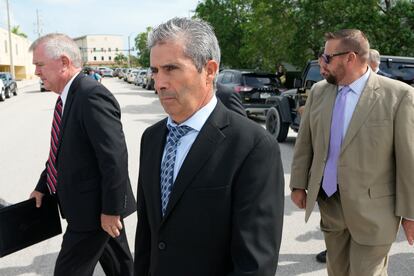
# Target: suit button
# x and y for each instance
(161, 245)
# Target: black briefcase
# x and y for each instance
(22, 224)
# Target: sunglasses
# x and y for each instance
(327, 58)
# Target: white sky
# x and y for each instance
(81, 17)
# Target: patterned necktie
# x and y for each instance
(330, 180)
(167, 165)
(51, 168)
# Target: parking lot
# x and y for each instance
(25, 126)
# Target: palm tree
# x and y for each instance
(16, 30)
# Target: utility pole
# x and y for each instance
(38, 24)
(129, 53)
(10, 40)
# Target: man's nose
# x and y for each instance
(160, 81)
(37, 71)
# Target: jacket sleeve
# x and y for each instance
(143, 234)
(303, 151)
(404, 155)
(102, 121)
(258, 206)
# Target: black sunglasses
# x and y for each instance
(327, 58)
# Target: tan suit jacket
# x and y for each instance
(376, 163)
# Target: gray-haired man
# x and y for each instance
(210, 182)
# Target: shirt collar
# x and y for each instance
(65, 90)
(358, 85)
(199, 118)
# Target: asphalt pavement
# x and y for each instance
(25, 122)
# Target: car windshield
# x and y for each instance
(314, 74)
(3, 76)
(400, 70)
(260, 80)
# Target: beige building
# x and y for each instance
(99, 50)
(22, 58)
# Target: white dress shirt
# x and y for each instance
(196, 122)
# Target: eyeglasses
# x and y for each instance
(327, 58)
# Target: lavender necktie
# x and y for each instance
(330, 180)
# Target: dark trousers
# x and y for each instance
(81, 251)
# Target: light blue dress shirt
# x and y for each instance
(352, 98)
(196, 122)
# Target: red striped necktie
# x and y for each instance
(51, 169)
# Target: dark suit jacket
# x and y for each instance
(225, 211)
(232, 101)
(92, 158)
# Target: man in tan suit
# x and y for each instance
(354, 155)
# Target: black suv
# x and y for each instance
(285, 109)
(10, 86)
(253, 88)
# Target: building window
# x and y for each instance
(5, 46)
(102, 49)
(94, 58)
(102, 58)
(109, 49)
(94, 49)
(116, 49)
(110, 58)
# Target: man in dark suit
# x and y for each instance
(374, 62)
(210, 202)
(232, 101)
(87, 168)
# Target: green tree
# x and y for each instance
(228, 18)
(141, 46)
(262, 33)
(120, 59)
(16, 30)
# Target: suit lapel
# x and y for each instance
(202, 149)
(156, 146)
(68, 105)
(329, 97)
(364, 106)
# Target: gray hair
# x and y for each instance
(374, 56)
(57, 45)
(351, 40)
(200, 42)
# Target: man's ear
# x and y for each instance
(65, 61)
(211, 70)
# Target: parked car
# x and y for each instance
(148, 82)
(139, 79)
(2, 92)
(253, 87)
(106, 72)
(10, 85)
(131, 75)
(284, 109)
(401, 68)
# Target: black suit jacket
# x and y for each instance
(92, 158)
(225, 211)
(232, 101)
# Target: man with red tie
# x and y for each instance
(87, 167)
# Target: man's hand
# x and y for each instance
(298, 197)
(38, 196)
(111, 225)
(408, 226)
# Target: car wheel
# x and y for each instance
(275, 125)
(15, 91)
(2, 95)
(7, 93)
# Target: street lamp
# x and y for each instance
(10, 41)
(129, 50)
